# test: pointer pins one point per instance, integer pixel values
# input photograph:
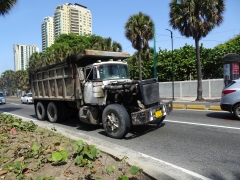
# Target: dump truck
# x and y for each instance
(96, 87)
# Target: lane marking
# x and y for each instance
(177, 167)
(207, 125)
(14, 104)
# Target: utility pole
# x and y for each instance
(155, 63)
(172, 66)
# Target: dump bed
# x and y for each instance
(54, 83)
(61, 81)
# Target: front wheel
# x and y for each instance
(236, 111)
(116, 121)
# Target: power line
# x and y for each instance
(127, 47)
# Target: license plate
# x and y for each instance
(158, 113)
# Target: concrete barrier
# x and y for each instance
(211, 88)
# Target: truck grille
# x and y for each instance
(149, 91)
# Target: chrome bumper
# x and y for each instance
(151, 114)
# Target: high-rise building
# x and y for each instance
(68, 18)
(22, 54)
(47, 32)
(72, 18)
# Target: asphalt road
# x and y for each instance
(204, 144)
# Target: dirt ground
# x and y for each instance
(30, 152)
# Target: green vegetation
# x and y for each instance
(139, 30)
(6, 6)
(68, 44)
(195, 18)
(30, 152)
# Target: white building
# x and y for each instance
(22, 54)
(72, 18)
(47, 32)
(67, 18)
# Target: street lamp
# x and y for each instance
(172, 66)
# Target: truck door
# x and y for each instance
(92, 87)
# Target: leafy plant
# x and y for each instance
(85, 153)
(135, 169)
(44, 178)
(111, 169)
(123, 177)
(16, 167)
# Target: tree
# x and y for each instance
(139, 30)
(6, 6)
(21, 80)
(8, 76)
(196, 18)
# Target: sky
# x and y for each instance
(23, 24)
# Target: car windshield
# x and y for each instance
(1, 94)
(113, 71)
(29, 95)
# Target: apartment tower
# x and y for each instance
(47, 32)
(68, 18)
(72, 18)
(22, 54)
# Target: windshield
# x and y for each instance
(113, 71)
(29, 95)
(1, 94)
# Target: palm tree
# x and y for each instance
(196, 18)
(2, 83)
(6, 6)
(8, 76)
(139, 30)
(19, 78)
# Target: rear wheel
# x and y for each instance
(41, 111)
(236, 111)
(116, 121)
(54, 112)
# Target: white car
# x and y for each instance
(27, 98)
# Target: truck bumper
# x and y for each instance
(151, 114)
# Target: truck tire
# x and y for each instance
(54, 112)
(116, 121)
(41, 111)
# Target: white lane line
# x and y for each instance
(207, 125)
(177, 167)
(14, 104)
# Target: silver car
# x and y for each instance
(2, 98)
(230, 100)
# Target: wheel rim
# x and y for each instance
(238, 111)
(112, 122)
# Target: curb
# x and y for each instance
(196, 107)
(200, 107)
